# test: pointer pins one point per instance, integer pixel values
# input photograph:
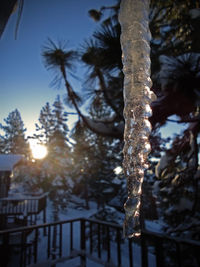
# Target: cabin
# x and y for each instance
(19, 210)
(7, 164)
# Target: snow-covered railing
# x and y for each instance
(100, 242)
(22, 206)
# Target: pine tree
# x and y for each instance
(82, 170)
(45, 125)
(94, 160)
(103, 188)
(53, 132)
(14, 140)
(177, 186)
(58, 135)
(2, 142)
(52, 124)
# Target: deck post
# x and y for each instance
(44, 221)
(4, 251)
(82, 243)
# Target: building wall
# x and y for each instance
(4, 183)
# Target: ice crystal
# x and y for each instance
(135, 39)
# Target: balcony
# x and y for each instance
(86, 242)
(23, 209)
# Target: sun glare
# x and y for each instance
(38, 151)
(118, 170)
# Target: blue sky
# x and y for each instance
(24, 81)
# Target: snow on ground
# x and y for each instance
(75, 210)
(154, 226)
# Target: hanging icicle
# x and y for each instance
(135, 39)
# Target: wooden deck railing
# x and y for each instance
(22, 206)
(100, 242)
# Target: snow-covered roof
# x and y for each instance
(7, 162)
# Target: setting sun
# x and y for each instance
(38, 151)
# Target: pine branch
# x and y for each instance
(104, 90)
(97, 127)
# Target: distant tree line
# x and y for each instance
(78, 162)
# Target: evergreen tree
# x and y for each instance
(103, 187)
(52, 172)
(52, 122)
(45, 126)
(82, 170)
(94, 160)
(2, 142)
(60, 127)
(14, 140)
(107, 155)
(54, 169)
(177, 187)
(58, 142)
